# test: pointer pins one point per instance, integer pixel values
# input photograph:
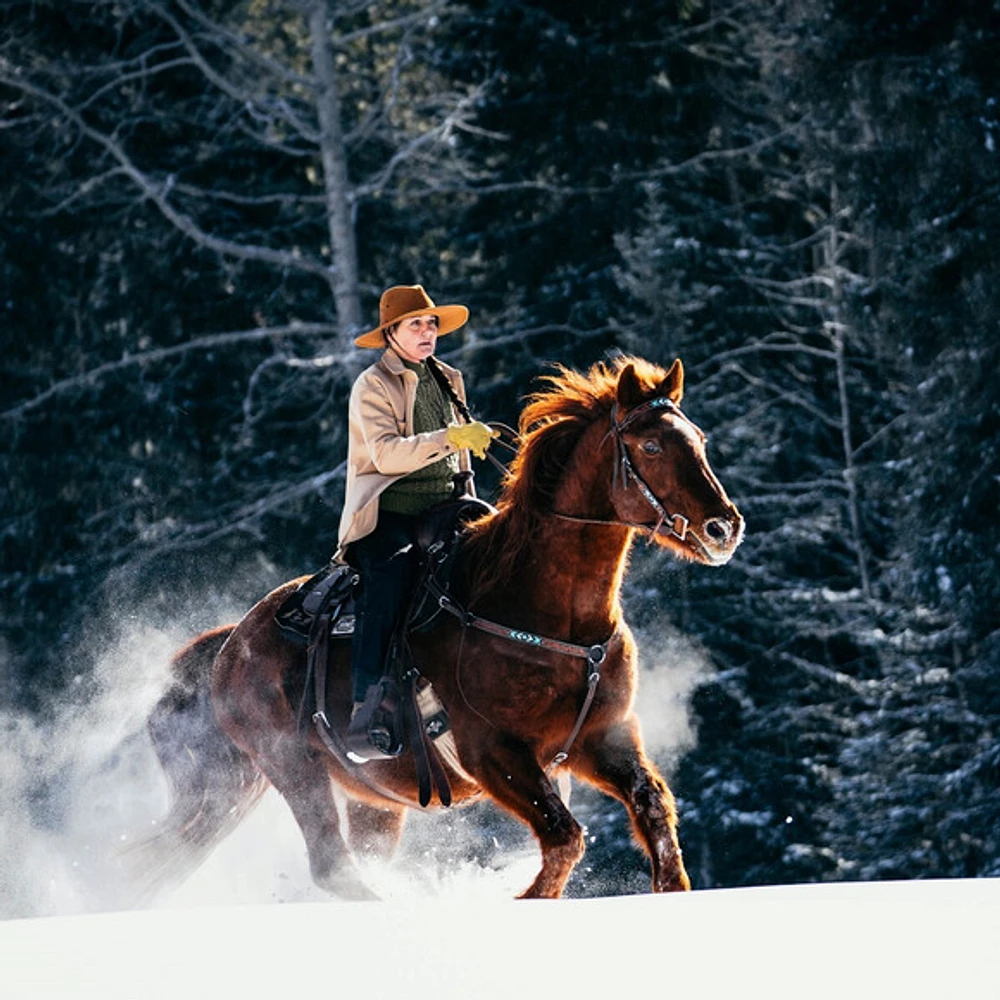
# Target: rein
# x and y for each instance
(503, 430)
(445, 386)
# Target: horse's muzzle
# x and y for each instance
(721, 536)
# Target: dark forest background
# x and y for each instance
(200, 201)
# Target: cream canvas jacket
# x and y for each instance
(382, 446)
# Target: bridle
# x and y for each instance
(626, 473)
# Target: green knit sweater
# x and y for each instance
(419, 490)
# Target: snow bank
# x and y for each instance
(906, 939)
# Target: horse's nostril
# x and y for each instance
(718, 529)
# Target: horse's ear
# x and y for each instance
(629, 390)
(672, 385)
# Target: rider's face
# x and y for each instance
(415, 338)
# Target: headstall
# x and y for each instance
(625, 471)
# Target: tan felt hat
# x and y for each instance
(403, 301)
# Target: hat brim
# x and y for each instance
(450, 318)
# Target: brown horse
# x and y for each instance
(602, 456)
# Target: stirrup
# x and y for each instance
(370, 734)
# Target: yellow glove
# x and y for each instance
(475, 436)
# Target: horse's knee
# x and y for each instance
(566, 835)
(652, 797)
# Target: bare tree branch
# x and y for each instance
(239, 94)
(90, 378)
(238, 44)
(194, 536)
(157, 193)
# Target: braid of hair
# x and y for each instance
(442, 380)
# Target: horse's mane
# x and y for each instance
(551, 423)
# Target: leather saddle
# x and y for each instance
(332, 589)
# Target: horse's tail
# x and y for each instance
(212, 783)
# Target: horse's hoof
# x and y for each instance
(677, 883)
(349, 886)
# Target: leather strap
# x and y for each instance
(593, 678)
(428, 763)
(318, 660)
(594, 654)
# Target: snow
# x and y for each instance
(903, 939)
(250, 923)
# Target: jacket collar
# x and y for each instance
(392, 362)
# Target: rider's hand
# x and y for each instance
(475, 436)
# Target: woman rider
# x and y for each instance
(405, 446)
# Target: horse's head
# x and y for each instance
(662, 477)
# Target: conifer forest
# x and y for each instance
(201, 201)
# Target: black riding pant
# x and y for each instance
(388, 561)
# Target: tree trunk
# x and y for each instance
(343, 243)
(837, 331)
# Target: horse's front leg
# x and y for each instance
(616, 763)
(510, 774)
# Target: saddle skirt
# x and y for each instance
(331, 587)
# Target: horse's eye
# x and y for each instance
(651, 447)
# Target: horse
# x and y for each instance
(602, 456)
